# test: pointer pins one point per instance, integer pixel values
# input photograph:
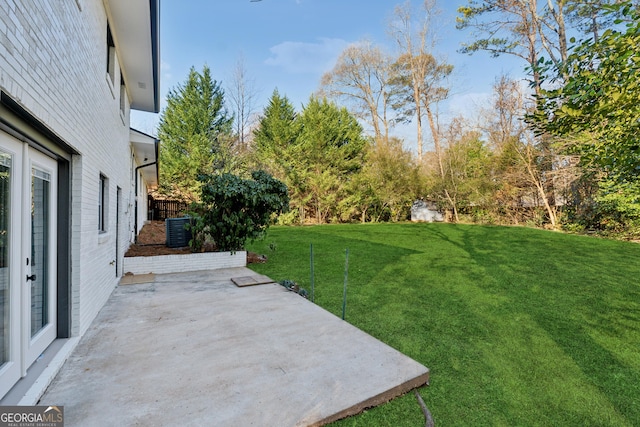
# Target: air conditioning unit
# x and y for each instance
(177, 235)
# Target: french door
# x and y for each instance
(28, 206)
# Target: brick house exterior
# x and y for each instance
(73, 175)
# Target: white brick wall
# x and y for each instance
(181, 263)
(53, 63)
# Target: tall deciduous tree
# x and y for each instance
(528, 29)
(430, 90)
(466, 180)
(590, 17)
(195, 134)
(509, 27)
(420, 77)
(242, 96)
(361, 78)
(531, 29)
(520, 157)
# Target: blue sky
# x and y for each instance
(289, 44)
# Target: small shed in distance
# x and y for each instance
(422, 211)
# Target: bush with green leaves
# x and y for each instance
(617, 209)
(592, 106)
(233, 210)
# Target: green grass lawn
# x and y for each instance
(519, 327)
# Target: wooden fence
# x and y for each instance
(159, 210)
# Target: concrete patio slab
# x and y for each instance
(194, 349)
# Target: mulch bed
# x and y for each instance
(152, 242)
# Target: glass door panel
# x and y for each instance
(40, 227)
(5, 236)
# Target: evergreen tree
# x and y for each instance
(195, 133)
(274, 140)
(330, 151)
(316, 153)
(275, 134)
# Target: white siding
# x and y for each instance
(53, 63)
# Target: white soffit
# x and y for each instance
(134, 25)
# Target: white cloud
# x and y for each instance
(301, 57)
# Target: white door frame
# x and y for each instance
(34, 345)
(11, 371)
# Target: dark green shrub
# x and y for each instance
(233, 210)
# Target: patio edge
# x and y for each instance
(44, 378)
(377, 400)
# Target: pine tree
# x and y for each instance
(331, 150)
(275, 134)
(195, 133)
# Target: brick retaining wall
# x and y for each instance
(183, 263)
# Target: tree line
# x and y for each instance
(560, 150)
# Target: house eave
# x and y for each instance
(135, 28)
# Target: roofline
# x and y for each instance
(142, 133)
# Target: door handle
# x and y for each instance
(32, 277)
